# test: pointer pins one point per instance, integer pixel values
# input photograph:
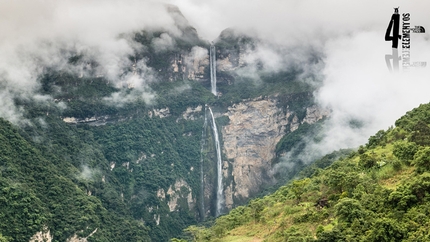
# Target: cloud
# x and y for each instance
(87, 173)
(292, 21)
(180, 89)
(9, 110)
(163, 43)
(197, 59)
(44, 34)
(348, 35)
(134, 87)
(359, 86)
(197, 54)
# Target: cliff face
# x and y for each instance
(179, 190)
(190, 65)
(248, 139)
(249, 143)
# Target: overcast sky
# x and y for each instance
(350, 34)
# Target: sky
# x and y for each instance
(357, 84)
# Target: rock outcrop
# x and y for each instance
(44, 235)
(191, 65)
(314, 113)
(231, 61)
(161, 113)
(76, 238)
(196, 62)
(177, 192)
(249, 143)
(190, 113)
(95, 121)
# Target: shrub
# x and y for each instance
(405, 151)
(348, 210)
(422, 160)
(367, 161)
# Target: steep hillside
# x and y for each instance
(47, 193)
(378, 193)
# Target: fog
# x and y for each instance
(357, 85)
(349, 35)
(43, 34)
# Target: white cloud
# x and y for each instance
(348, 34)
(356, 83)
(293, 21)
(40, 34)
(87, 173)
(163, 43)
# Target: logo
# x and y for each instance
(393, 25)
(405, 37)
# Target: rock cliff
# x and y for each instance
(249, 143)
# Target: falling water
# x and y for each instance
(202, 188)
(219, 194)
(212, 57)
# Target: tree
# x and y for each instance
(422, 160)
(377, 139)
(335, 179)
(422, 234)
(4, 239)
(298, 188)
(421, 133)
(329, 236)
(256, 207)
(348, 210)
(367, 161)
(385, 229)
(177, 240)
(405, 151)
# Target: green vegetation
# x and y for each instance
(38, 191)
(114, 175)
(379, 193)
(61, 177)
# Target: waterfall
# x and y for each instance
(219, 194)
(212, 60)
(202, 183)
(219, 191)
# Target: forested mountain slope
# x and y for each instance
(381, 192)
(43, 191)
(101, 158)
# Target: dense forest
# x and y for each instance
(380, 192)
